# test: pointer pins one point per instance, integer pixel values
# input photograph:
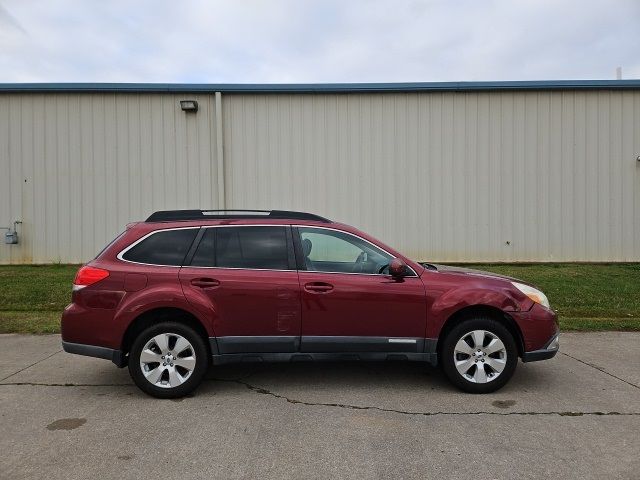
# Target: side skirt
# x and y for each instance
(428, 353)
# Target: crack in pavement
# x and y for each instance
(29, 366)
(600, 369)
(69, 384)
(264, 391)
(36, 384)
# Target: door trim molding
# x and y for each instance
(255, 344)
(355, 344)
(319, 344)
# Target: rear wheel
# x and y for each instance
(168, 360)
(479, 355)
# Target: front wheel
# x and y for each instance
(168, 360)
(479, 355)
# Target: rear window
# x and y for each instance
(168, 247)
(243, 247)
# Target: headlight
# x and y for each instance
(533, 293)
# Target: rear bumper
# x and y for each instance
(116, 356)
(549, 351)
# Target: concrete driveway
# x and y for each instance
(576, 416)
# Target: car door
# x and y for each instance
(246, 277)
(349, 303)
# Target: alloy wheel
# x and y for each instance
(480, 356)
(167, 360)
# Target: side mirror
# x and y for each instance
(397, 268)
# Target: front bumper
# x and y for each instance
(545, 353)
(116, 356)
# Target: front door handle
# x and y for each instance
(205, 282)
(318, 287)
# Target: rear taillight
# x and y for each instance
(89, 275)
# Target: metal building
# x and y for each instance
(452, 172)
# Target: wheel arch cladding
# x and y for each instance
(157, 315)
(475, 311)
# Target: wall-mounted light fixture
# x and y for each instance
(189, 105)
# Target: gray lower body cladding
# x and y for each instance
(238, 349)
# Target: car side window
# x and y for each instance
(205, 254)
(259, 247)
(326, 250)
(165, 247)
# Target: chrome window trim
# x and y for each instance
(357, 273)
(240, 268)
(141, 239)
(359, 237)
(126, 249)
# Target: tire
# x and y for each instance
(168, 360)
(481, 371)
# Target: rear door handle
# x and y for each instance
(318, 287)
(205, 282)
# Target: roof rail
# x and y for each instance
(178, 215)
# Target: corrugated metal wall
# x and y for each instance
(76, 168)
(500, 176)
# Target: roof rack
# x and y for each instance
(178, 215)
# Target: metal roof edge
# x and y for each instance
(319, 87)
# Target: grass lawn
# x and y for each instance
(32, 297)
(587, 297)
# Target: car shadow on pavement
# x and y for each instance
(365, 376)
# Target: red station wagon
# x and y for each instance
(190, 288)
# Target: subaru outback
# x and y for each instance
(187, 289)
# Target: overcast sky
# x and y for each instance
(289, 41)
